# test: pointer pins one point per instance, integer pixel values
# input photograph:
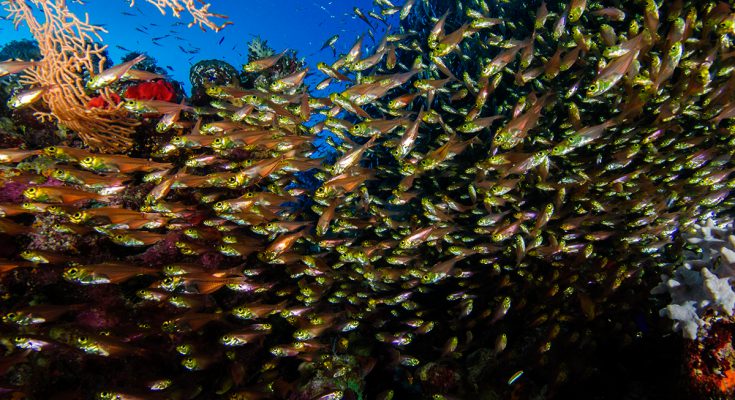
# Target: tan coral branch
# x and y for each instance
(200, 14)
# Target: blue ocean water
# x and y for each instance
(301, 25)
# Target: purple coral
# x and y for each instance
(12, 192)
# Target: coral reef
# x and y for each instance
(258, 48)
(15, 50)
(149, 64)
(208, 73)
(158, 90)
(710, 363)
(23, 49)
(508, 183)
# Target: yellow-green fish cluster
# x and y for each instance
(503, 177)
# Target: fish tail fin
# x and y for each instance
(104, 198)
(207, 287)
(138, 59)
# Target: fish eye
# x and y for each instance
(77, 215)
(31, 190)
(59, 172)
(72, 271)
(119, 237)
(320, 190)
(11, 316)
(184, 348)
(82, 339)
(168, 281)
(249, 194)
(232, 179)
(87, 160)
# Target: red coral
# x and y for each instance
(100, 102)
(439, 378)
(158, 90)
(710, 362)
(211, 260)
(96, 318)
(162, 252)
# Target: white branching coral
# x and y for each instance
(703, 283)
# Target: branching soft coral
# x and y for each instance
(201, 15)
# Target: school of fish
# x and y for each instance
(503, 180)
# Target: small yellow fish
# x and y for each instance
(27, 97)
(13, 67)
(60, 194)
(263, 63)
(120, 163)
(112, 74)
(16, 155)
